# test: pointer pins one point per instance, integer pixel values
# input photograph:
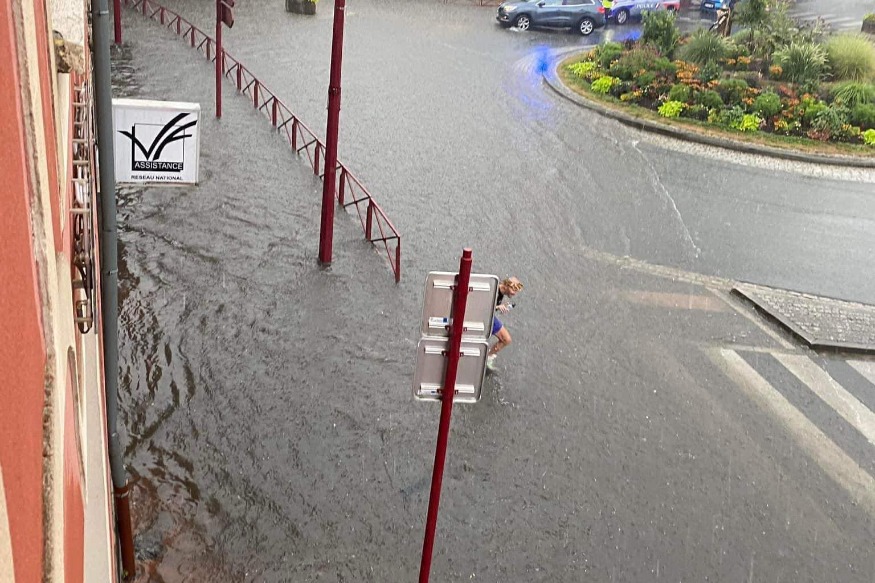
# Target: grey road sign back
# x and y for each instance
(437, 308)
(431, 365)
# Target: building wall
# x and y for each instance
(55, 502)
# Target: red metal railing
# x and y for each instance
(377, 227)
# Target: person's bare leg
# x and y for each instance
(504, 340)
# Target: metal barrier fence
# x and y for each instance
(377, 227)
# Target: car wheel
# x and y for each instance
(522, 22)
(622, 16)
(586, 26)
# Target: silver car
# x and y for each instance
(584, 16)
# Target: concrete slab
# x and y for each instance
(820, 322)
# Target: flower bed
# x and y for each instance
(775, 77)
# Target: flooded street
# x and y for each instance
(270, 427)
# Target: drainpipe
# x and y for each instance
(109, 277)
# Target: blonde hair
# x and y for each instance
(512, 283)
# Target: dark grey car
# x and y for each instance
(584, 16)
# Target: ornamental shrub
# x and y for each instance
(767, 104)
(748, 123)
(704, 47)
(801, 62)
(710, 99)
(863, 115)
(830, 120)
(608, 53)
(869, 137)
(645, 80)
(603, 85)
(731, 117)
(852, 93)
(661, 31)
(671, 109)
(709, 72)
(732, 91)
(811, 108)
(696, 112)
(680, 92)
(631, 64)
(852, 57)
(583, 69)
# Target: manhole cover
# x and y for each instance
(820, 322)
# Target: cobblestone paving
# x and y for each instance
(821, 322)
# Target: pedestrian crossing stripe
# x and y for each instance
(825, 452)
(831, 393)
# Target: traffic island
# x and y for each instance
(688, 130)
(820, 322)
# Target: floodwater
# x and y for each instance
(270, 429)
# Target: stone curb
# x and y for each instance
(777, 306)
(552, 79)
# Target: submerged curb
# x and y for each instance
(551, 77)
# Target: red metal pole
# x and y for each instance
(219, 58)
(326, 230)
(448, 392)
(117, 20)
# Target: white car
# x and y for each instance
(624, 9)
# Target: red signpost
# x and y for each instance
(225, 16)
(117, 20)
(326, 229)
(448, 391)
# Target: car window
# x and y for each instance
(552, 2)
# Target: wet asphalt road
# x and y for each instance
(270, 425)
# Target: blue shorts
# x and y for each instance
(496, 325)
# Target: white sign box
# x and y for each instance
(431, 368)
(156, 141)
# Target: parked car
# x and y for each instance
(583, 16)
(716, 4)
(625, 9)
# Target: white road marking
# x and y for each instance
(832, 393)
(829, 456)
(865, 368)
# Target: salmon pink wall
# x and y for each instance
(22, 348)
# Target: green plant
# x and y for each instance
(851, 56)
(583, 69)
(869, 137)
(767, 104)
(863, 115)
(748, 123)
(645, 79)
(801, 62)
(704, 47)
(870, 18)
(631, 64)
(608, 53)
(732, 91)
(709, 99)
(696, 112)
(853, 93)
(730, 117)
(830, 120)
(680, 92)
(661, 31)
(709, 72)
(752, 13)
(603, 85)
(811, 108)
(671, 108)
